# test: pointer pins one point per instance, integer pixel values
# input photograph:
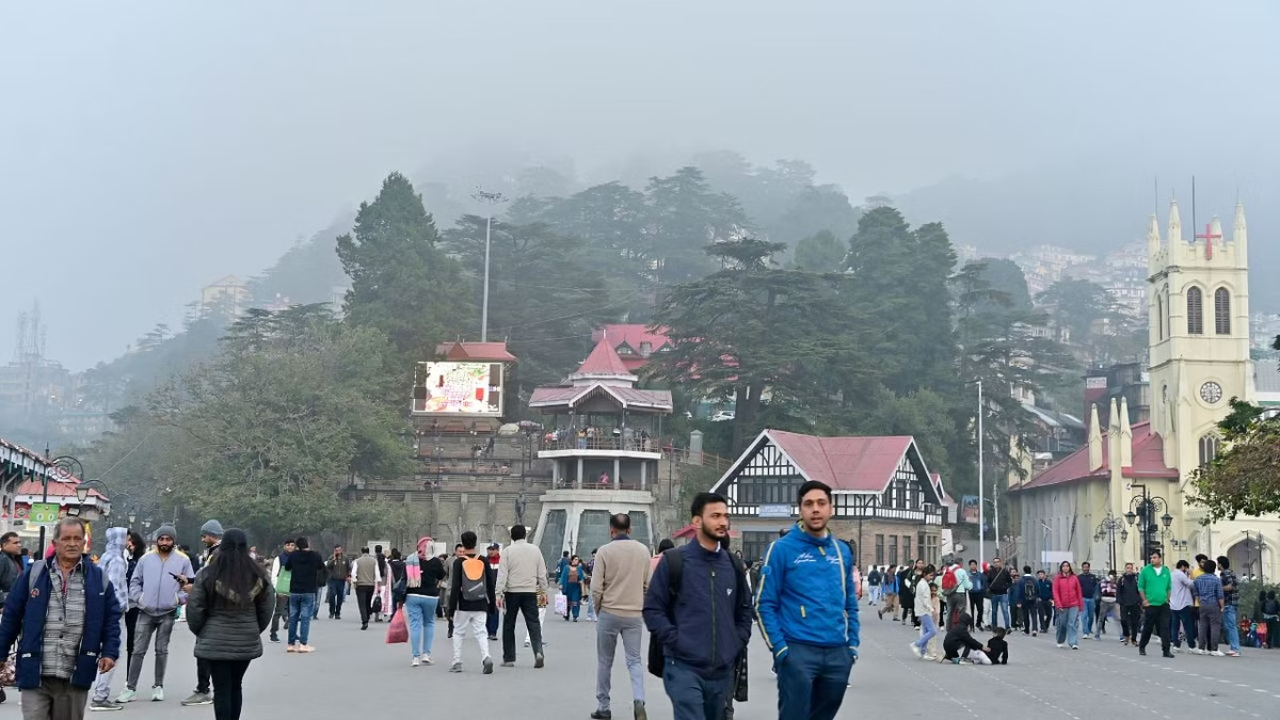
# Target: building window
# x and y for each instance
(931, 550)
(920, 547)
(1195, 312)
(1208, 449)
(755, 544)
(906, 547)
(645, 349)
(893, 549)
(1222, 311)
(879, 549)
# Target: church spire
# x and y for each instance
(1126, 434)
(1153, 237)
(1240, 233)
(1175, 223)
(1095, 440)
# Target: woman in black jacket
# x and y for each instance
(229, 608)
(136, 547)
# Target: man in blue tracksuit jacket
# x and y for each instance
(808, 611)
(705, 628)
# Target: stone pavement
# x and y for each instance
(354, 673)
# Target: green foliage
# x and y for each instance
(1244, 479)
(693, 480)
(821, 253)
(402, 284)
(684, 219)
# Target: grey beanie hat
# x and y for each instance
(164, 530)
(213, 527)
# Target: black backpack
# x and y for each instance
(1029, 589)
(675, 577)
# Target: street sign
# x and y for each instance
(774, 511)
(43, 513)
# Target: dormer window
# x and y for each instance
(645, 349)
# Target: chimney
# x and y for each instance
(1095, 440)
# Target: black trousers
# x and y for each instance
(1131, 621)
(1156, 618)
(364, 598)
(337, 593)
(520, 603)
(228, 689)
(1029, 617)
(1046, 614)
(202, 676)
(977, 602)
(130, 627)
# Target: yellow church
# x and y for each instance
(1126, 491)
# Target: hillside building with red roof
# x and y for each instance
(887, 504)
(635, 343)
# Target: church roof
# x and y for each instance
(603, 360)
(1148, 462)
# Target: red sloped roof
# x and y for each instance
(603, 360)
(475, 352)
(633, 335)
(864, 464)
(56, 489)
(1148, 462)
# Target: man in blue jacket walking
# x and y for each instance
(808, 611)
(69, 618)
(705, 626)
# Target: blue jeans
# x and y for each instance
(1182, 617)
(927, 629)
(337, 593)
(420, 615)
(694, 697)
(812, 681)
(1232, 624)
(1067, 619)
(1087, 621)
(998, 602)
(301, 607)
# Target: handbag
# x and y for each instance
(397, 631)
(376, 606)
(9, 672)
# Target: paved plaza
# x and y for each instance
(354, 674)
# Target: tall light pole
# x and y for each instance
(981, 482)
(490, 198)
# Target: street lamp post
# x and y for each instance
(1144, 508)
(1108, 529)
(491, 198)
(66, 467)
(982, 481)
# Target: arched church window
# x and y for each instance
(1222, 311)
(1208, 449)
(1195, 312)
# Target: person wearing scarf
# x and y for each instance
(423, 575)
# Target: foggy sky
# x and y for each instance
(149, 148)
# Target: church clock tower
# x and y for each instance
(1198, 309)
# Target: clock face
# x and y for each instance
(1211, 392)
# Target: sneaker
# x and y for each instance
(275, 638)
(426, 660)
(126, 696)
(526, 643)
(488, 666)
(538, 661)
(291, 648)
(306, 649)
(1196, 651)
(1060, 646)
(415, 662)
(1168, 655)
(104, 706)
(602, 715)
(1087, 636)
(508, 663)
(1231, 653)
(199, 698)
(1075, 647)
(1142, 650)
(455, 668)
(1218, 653)
(157, 694)
(640, 712)
(915, 650)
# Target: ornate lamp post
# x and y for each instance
(1107, 530)
(1142, 511)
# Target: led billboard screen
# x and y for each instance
(446, 388)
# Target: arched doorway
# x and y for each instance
(1246, 555)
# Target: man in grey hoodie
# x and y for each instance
(156, 589)
(114, 566)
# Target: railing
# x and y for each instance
(602, 443)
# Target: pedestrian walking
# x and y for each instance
(1108, 587)
(382, 589)
(521, 577)
(114, 565)
(211, 536)
(339, 583)
(395, 567)
(424, 576)
(10, 563)
(586, 590)
(65, 617)
(231, 603)
(1068, 600)
(1155, 585)
(889, 585)
(1208, 590)
(366, 578)
(809, 611)
(618, 589)
(573, 584)
(698, 611)
(1029, 591)
(1130, 601)
(924, 611)
(1231, 605)
(304, 566)
(1090, 592)
(281, 578)
(136, 547)
(954, 588)
(156, 588)
(873, 586)
(1044, 599)
(471, 596)
(494, 558)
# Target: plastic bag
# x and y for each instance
(397, 631)
(562, 605)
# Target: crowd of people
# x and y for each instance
(1193, 605)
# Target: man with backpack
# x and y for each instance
(697, 642)
(1030, 593)
(873, 585)
(808, 610)
(471, 597)
(954, 590)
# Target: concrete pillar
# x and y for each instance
(579, 483)
(695, 447)
(644, 474)
(555, 473)
(617, 473)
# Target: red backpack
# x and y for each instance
(949, 581)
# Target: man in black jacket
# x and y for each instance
(10, 562)
(1130, 605)
(703, 635)
(304, 566)
(999, 581)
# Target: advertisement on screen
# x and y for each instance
(460, 388)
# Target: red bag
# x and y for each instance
(397, 631)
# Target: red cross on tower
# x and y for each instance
(1208, 238)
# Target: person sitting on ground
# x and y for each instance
(998, 647)
(958, 639)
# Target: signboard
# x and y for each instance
(1096, 383)
(774, 511)
(43, 513)
(969, 509)
(458, 388)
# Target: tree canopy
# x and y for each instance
(1244, 478)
